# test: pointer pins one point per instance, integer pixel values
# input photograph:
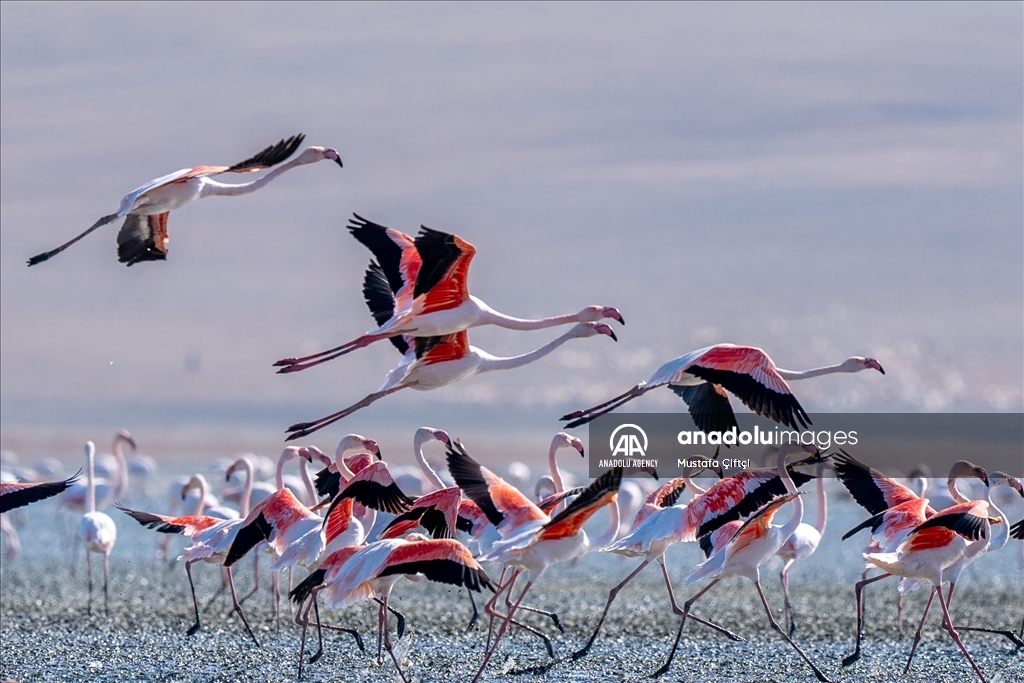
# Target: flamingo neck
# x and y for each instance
(200, 504)
(798, 505)
(122, 467)
(307, 482)
(286, 455)
(556, 474)
(490, 316)
(90, 484)
(425, 467)
(243, 504)
(814, 372)
(489, 362)
(954, 492)
(822, 518)
(339, 463)
(1000, 539)
(693, 486)
(218, 189)
(613, 526)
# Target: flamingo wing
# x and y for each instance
(327, 482)
(394, 250)
(445, 265)
(186, 526)
(265, 158)
(430, 350)
(751, 375)
(498, 500)
(708, 405)
(760, 522)
(143, 238)
(717, 539)
(969, 520)
(872, 490)
(381, 302)
(15, 494)
(554, 499)
(734, 498)
(441, 560)
(601, 492)
(374, 487)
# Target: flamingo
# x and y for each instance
(702, 377)
(659, 524)
(328, 480)
(435, 362)
(803, 543)
(531, 541)
(14, 494)
(105, 492)
(933, 547)
(896, 511)
(373, 570)
(754, 542)
(143, 236)
(96, 529)
(419, 289)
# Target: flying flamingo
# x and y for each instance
(143, 237)
(803, 543)
(14, 494)
(754, 542)
(895, 510)
(420, 289)
(702, 377)
(105, 492)
(439, 361)
(96, 529)
(372, 572)
(933, 547)
(659, 524)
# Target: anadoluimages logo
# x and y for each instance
(626, 441)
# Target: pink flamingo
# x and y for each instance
(420, 289)
(96, 529)
(936, 545)
(702, 377)
(895, 510)
(439, 361)
(143, 237)
(753, 543)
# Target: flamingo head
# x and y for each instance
(441, 436)
(966, 469)
(1004, 479)
(858, 363)
(90, 449)
(592, 328)
(124, 435)
(354, 442)
(314, 154)
(595, 313)
(425, 434)
(564, 440)
(315, 452)
(196, 481)
(239, 463)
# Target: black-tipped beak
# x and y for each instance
(612, 335)
(622, 321)
(881, 369)
(338, 161)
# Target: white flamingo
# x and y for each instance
(96, 529)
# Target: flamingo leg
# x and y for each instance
(489, 606)
(778, 629)
(303, 617)
(784, 578)
(276, 580)
(955, 635)
(579, 654)
(917, 634)
(256, 578)
(195, 601)
(503, 628)
(39, 258)
(526, 608)
(301, 429)
(585, 416)
(476, 613)
(859, 589)
(88, 564)
(1010, 635)
(238, 608)
(682, 622)
(675, 608)
(387, 637)
(106, 578)
(298, 364)
(899, 614)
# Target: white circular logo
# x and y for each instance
(628, 444)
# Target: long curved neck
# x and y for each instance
(243, 504)
(822, 518)
(798, 505)
(286, 455)
(90, 482)
(339, 463)
(122, 467)
(556, 475)
(955, 492)
(805, 374)
(307, 482)
(1000, 539)
(425, 467)
(693, 486)
(200, 504)
(489, 362)
(214, 188)
(493, 317)
(613, 527)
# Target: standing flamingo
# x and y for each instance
(143, 237)
(754, 542)
(702, 377)
(96, 529)
(803, 543)
(439, 361)
(420, 289)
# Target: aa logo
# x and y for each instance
(628, 440)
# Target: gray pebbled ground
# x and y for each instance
(46, 633)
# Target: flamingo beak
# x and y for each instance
(337, 160)
(872, 363)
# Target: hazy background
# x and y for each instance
(818, 180)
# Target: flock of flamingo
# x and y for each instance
(446, 526)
